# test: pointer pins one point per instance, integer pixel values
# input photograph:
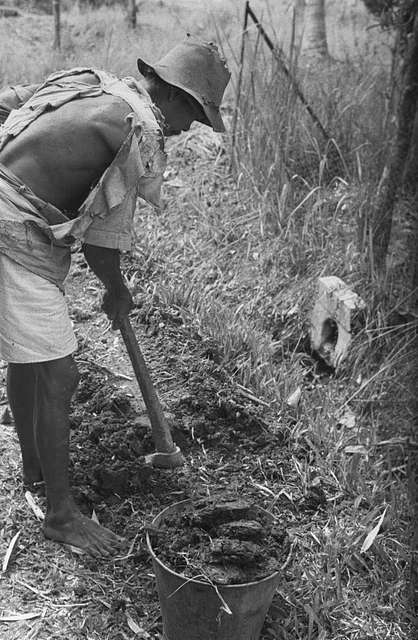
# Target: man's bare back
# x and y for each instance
(63, 153)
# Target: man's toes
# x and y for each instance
(105, 536)
(108, 537)
(103, 549)
(102, 541)
(92, 546)
(98, 551)
(110, 544)
(114, 540)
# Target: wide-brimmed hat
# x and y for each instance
(197, 68)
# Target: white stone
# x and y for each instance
(294, 398)
(331, 319)
(5, 416)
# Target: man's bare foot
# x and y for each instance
(71, 527)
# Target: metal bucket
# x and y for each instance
(195, 610)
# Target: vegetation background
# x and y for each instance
(245, 234)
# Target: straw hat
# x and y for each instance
(197, 68)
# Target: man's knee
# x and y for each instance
(58, 376)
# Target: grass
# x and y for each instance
(250, 254)
(235, 255)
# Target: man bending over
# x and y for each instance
(75, 153)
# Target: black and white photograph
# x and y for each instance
(209, 319)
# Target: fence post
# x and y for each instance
(239, 83)
(279, 56)
(132, 12)
(56, 10)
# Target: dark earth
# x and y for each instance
(225, 540)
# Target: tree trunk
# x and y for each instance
(56, 10)
(132, 13)
(411, 169)
(412, 469)
(384, 201)
(315, 36)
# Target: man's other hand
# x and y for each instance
(117, 304)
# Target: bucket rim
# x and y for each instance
(275, 574)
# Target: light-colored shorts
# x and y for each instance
(34, 321)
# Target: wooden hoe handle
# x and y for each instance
(167, 453)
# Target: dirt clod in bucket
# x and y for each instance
(227, 541)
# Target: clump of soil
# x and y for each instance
(226, 540)
(110, 439)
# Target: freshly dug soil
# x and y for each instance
(226, 540)
(110, 438)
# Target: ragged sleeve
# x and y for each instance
(106, 216)
(14, 97)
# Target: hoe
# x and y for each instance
(167, 454)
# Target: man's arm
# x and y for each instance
(14, 98)
(103, 261)
(105, 264)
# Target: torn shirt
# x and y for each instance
(13, 98)
(106, 216)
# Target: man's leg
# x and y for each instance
(56, 383)
(21, 382)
